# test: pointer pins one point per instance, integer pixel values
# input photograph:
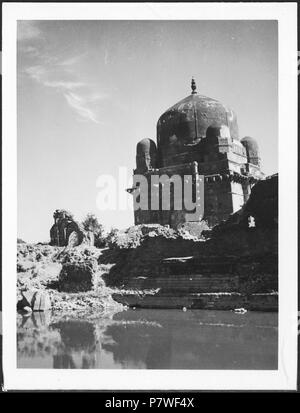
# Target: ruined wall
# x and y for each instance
(237, 194)
(218, 200)
(234, 259)
(263, 203)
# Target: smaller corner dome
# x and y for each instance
(252, 150)
(250, 144)
(146, 155)
(145, 146)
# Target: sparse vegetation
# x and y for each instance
(91, 224)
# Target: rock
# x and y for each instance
(90, 238)
(76, 277)
(41, 301)
(25, 265)
(190, 230)
(134, 236)
(240, 310)
(34, 300)
(64, 226)
(73, 240)
(28, 297)
(48, 272)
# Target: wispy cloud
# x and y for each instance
(29, 50)
(61, 84)
(36, 72)
(27, 30)
(54, 72)
(81, 106)
(43, 76)
(71, 60)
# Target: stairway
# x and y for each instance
(202, 282)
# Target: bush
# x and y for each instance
(134, 236)
(112, 237)
(91, 224)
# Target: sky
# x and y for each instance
(88, 91)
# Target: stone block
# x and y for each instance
(28, 297)
(35, 300)
(41, 301)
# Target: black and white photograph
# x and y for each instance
(150, 196)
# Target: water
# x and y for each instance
(150, 339)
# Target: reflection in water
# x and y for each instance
(150, 339)
(78, 338)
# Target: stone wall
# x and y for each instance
(236, 265)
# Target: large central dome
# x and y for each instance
(187, 121)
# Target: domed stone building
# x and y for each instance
(197, 137)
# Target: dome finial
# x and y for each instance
(193, 86)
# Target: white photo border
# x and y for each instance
(285, 378)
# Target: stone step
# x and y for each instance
(207, 266)
(182, 277)
(192, 267)
(197, 284)
(200, 259)
(212, 301)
